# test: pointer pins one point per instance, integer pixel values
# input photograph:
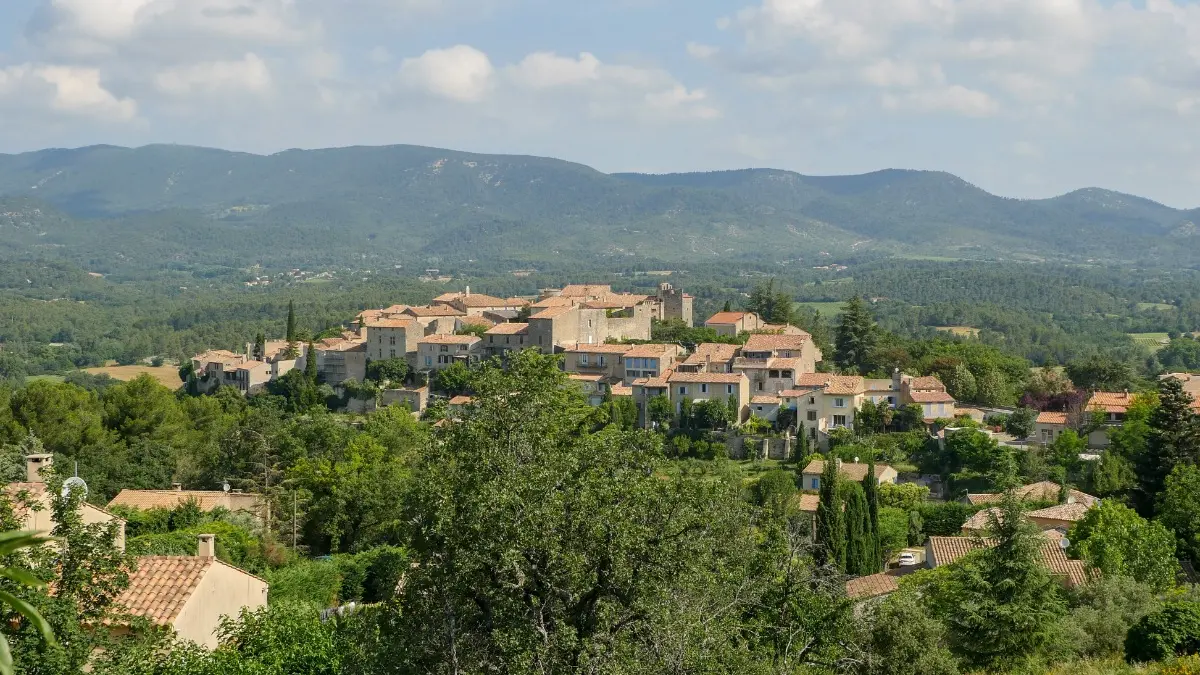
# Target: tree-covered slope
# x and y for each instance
(413, 203)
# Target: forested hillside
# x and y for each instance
(172, 204)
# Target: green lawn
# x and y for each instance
(1162, 306)
(48, 378)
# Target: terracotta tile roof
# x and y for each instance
(723, 318)
(809, 503)
(554, 301)
(1034, 492)
(872, 586)
(707, 378)
(1068, 512)
(660, 382)
(1052, 418)
(551, 312)
(461, 400)
(947, 550)
(616, 301)
(771, 343)
(649, 351)
(448, 297)
(251, 365)
(1110, 401)
(586, 290)
(508, 329)
(798, 393)
(169, 499)
(478, 300)
(855, 471)
(598, 348)
(711, 351)
(517, 302)
(845, 385)
(436, 310)
(621, 390)
(392, 323)
(476, 321)
(981, 520)
(449, 339)
(930, 397)
(928, 382)
(394, 309)
(765, 399)
(162, 585)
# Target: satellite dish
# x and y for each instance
(72, 485)
(1064, 543)
(225, 486)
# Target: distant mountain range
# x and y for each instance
(174, 205)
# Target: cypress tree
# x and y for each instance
(292, 350)
(260, 347)
(858, 539)
(801, 444)
(831, 521)
(870, 485)
(310, 363)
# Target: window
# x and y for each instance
(760, 386)
(814, 484)
(392, 340)
(600, 360)
(392, 353)
(812, 400)
(812, 415)
(839, 403)
(758, 408)
(787, 374)
(773, 373)
(683, 391)
(1045, 435)
(583, 359)
(729, 389)
(522, 339)
(444, 348)
(429, 360)
(704, 389)
(839, 420)
(491, 339)
(892, 400)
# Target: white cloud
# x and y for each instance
(248, 74)
(64, 89)
(542, 70)
(952, 99)
(460, 73)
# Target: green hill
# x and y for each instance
(156, 205)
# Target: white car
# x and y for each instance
(907, 559)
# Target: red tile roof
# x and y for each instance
(723, 318)
(162, 585)
(551, 312)
(1110, 401)
(1067, 512)
(1034, 492)
(439, 339)
(586, 290)
(947, 550)
(928, 382)
(930, 397)
(711, 351)
(1052, 418)
(508, 329)
(391, 323)
(765, 399)
(872, 586)
(855, 471)
(809, 503)
(707, 378)
(598, 348)
(436, 310)
(772, 343)
(651, 350)
(621, 390)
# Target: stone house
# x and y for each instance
(32, 502)
(435, 352)
(730, 324)
(810, 478)
(710, 386)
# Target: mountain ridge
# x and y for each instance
(423, 203)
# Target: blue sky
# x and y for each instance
(1025, 98)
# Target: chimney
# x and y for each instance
(178, 487)
(35, 464)
(467, 291)
(207, 547)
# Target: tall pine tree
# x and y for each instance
(855, 337)
(870, 485)
(858, 539)
(1174, 440)
(831, 521)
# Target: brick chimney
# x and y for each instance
(35, 465)
(207, 546)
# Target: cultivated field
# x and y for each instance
(167, 375)
(1151, 340)
(959, 331)
(827, 309)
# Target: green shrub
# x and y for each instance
(1172, 631)
(945, 519)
